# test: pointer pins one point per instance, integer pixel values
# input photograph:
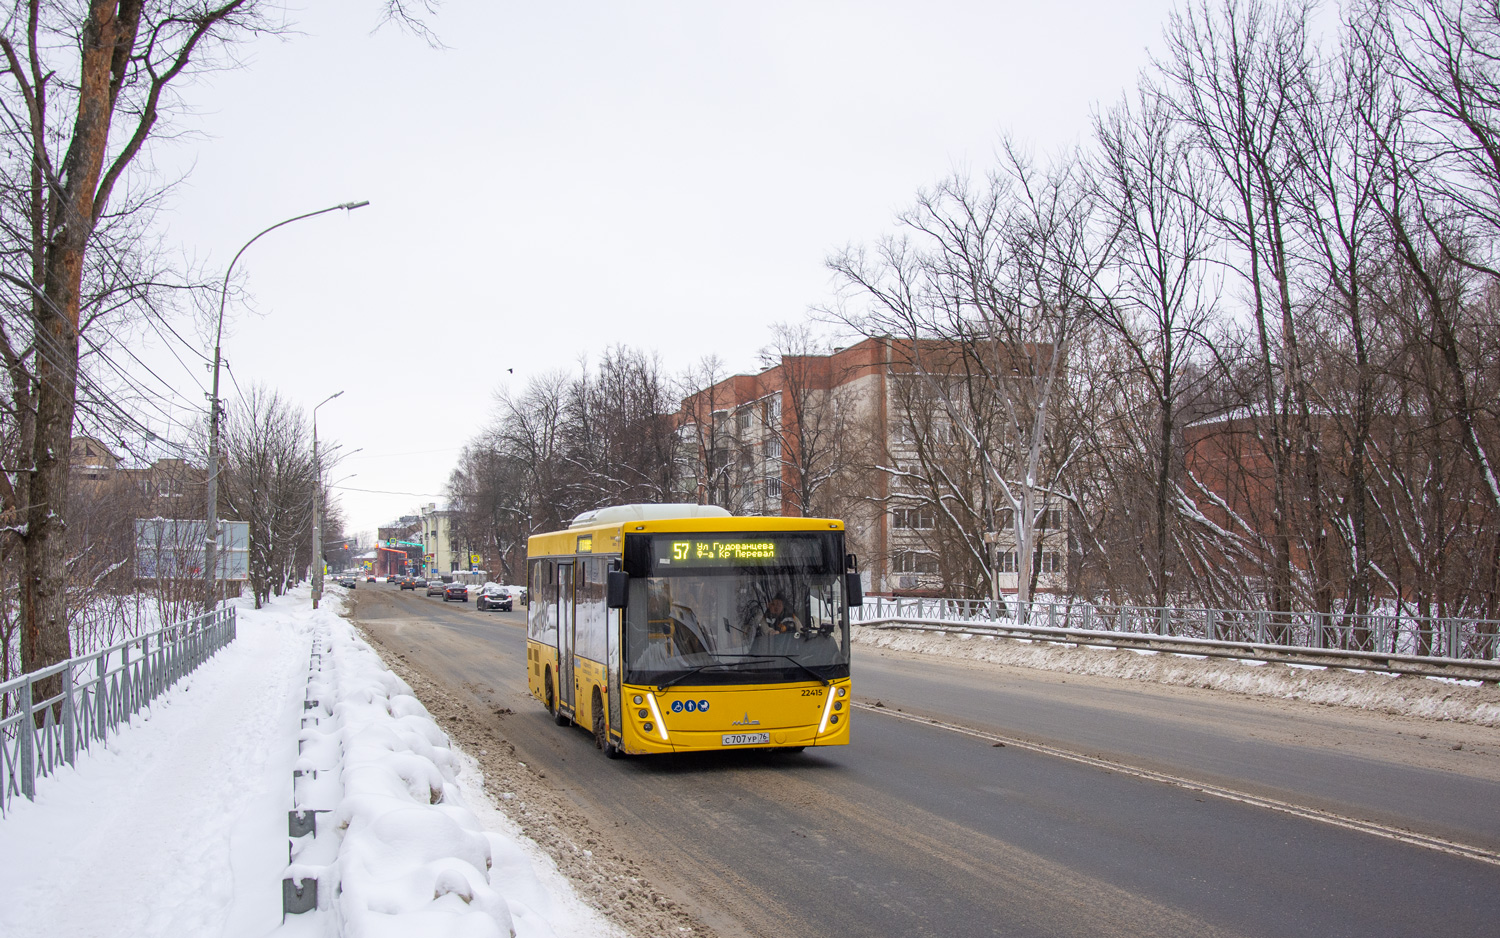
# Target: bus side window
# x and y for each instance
(543, 590)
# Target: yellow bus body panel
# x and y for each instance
(789, 713)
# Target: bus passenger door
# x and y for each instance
(613, 621)
(565, 623)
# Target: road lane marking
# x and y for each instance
(1454, 848)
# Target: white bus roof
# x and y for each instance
(618, 514)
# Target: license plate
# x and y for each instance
(746, 739)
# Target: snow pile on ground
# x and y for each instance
(412, 859)
(1465, 701)
(179, 824)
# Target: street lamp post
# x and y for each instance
(211, 527)
(317, 519)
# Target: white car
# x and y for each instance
(517, 594)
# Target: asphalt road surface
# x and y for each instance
(921, 829)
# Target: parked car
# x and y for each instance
(456, 591)
(493, 596)
(408, 583)
(435, 587)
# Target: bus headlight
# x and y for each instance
(827, 709)
(660, 727)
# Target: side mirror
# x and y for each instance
(854, 590)
(617, 590)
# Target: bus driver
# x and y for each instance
(777, 619)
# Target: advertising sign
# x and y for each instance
(174, 547)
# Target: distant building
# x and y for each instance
(442, 551)
(99, 469)
(742, 434)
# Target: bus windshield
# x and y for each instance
(751, 626)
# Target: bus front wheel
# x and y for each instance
(558, 717)
(549, 696)
(601, 731)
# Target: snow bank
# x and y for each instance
(413, 859)
(1464, 701)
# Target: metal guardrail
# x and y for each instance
(1365, 637)
(97, 693)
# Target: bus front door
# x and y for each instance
(565, 623)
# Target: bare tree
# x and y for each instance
(987, 290)
(269, 479)
(1152, 298)
(1236, 75)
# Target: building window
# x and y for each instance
(1049, 520)
(773, 411)
(742, 420)
(1051, 561)
(914, 561)
(773, 448)
(1007, 561)
(773, 488)
(917, 519)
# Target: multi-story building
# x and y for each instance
(177, 480)
(842, 435)
(444, 551)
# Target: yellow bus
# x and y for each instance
(674, 628)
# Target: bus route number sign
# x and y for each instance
(712, 552)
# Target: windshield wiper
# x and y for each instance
(804, 667)
(687, 674)
(729, 664)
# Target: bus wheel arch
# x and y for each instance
(550, 698)
(601, 726)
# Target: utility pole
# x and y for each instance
(211, 514)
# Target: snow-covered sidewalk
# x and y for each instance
(178, 826)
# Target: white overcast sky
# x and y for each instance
(568, 175)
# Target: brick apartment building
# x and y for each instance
(819, 435)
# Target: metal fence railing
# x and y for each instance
(1396, 633)
(94, 694)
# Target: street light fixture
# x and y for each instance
(211, 526)
(317, 519)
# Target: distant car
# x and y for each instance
(370, 578)
(347, 582)
(407, 583)
(435, 587)
(419, 581)
(456, 591)
(492, 596)
(517, 594)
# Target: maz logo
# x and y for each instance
(746, 722)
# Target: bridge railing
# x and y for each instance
(48, 717)
(1401, 633)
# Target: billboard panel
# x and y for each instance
(173, 547)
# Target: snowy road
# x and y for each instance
(915, 830)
